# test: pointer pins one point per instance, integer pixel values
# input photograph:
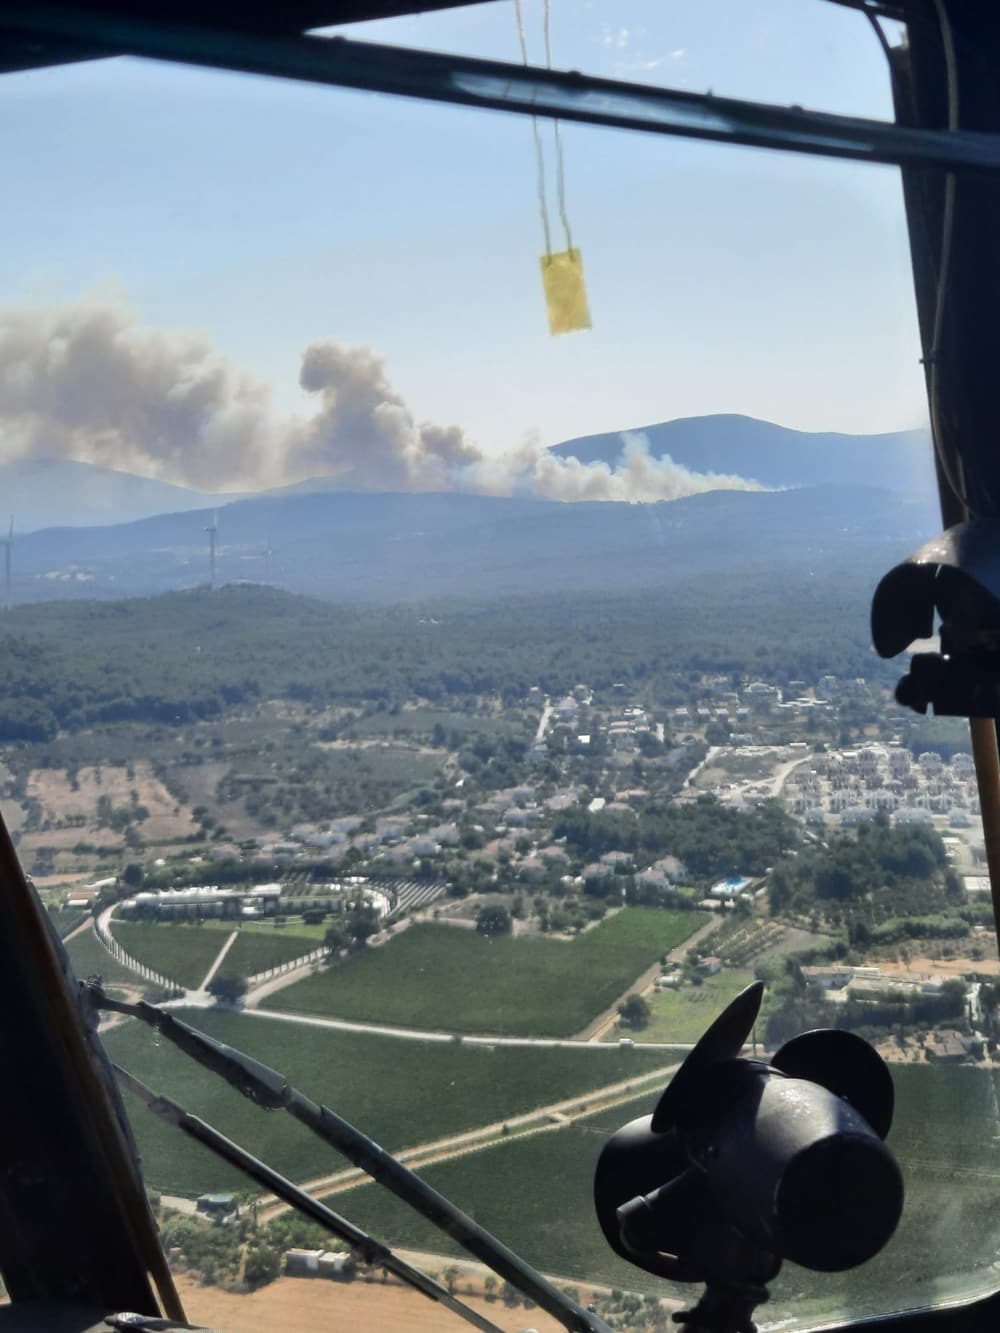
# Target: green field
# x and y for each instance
(292, 927)
(946, 1123)
(66, 919)
(683, 1015)
(182, 953)
(90, 958)
(255, 951)
(441, 978)
(403, 1093)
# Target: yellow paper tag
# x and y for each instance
(565, 292)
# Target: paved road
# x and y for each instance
(420, 1034)
(598, 1027)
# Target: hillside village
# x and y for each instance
(555, 831)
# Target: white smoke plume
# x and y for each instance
(635, 477)
(87, 381)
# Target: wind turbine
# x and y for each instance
(268, 552)
(8, 551)
(213, 531)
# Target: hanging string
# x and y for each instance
(539, 155)
(560, 167)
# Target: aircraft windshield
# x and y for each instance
(454, 716)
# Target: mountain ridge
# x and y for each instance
(731, 444)
(401, 547)
(47, 492)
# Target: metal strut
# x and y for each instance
(501, 86)
(371, 1250)
(271, 1091)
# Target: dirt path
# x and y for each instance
(421, 1034)
(85, 924)
(597, 1027)
(543, 722)
(713, 750)
(219, 959)
(131, 995)
(541, 1119)
(782, 773)
(277, 983)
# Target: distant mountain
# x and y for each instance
(838, 500)
(61, 492)
(397, 548)
(49, 493)
(776, 456)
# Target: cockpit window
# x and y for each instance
(453, 716)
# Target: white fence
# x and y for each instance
(292, 965)
(126, 960)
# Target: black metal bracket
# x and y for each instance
(501, 86)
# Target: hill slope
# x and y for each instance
(394, 548)
(775, 455)
(57, 492)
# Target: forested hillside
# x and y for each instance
(184, 656)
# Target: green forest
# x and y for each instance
(710, 838)
(181, 657)
(872, 877)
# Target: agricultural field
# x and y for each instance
(256, 951)
(66, 919)
(305, 781)
(423, 722)
(90, 958)
(944, 1136)
(402, 1093)
(544, 1211)
(182, 953)
(683, 1015)
(71, 801)
(455, 980)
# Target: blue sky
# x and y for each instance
(266, 216)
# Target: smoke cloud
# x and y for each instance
(87, 381)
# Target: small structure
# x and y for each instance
(335, 1264)
(729, 888)
(216, 1205)
(976, 883)
(302, 1263)
(206, 900)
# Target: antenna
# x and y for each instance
(213, 532)
(8, 551)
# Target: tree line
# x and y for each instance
(181, 657)
(710, 838)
